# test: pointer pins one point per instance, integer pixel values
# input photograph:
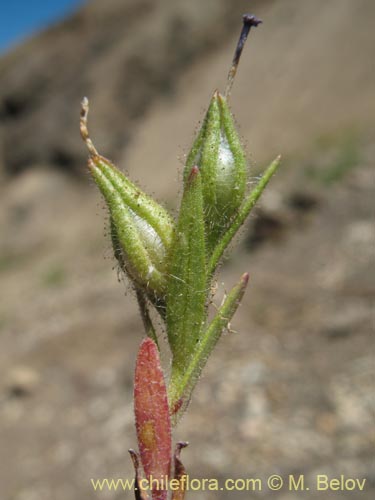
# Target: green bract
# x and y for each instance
(187, 286)
(183, 381)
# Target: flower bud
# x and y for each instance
(141, 229)
(221, 160)
(139, 244)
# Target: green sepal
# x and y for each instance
(187, 283)
(182, 383)
(139, 202)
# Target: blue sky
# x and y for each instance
(22, 18)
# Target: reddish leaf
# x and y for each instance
(152, 417)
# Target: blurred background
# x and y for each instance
(291, 391)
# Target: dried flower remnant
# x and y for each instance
(249, 21)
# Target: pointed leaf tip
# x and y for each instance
(193, 174)
(245, 278)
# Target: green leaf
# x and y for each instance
(182, 384)
(187, 284)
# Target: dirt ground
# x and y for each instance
(291, 390)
